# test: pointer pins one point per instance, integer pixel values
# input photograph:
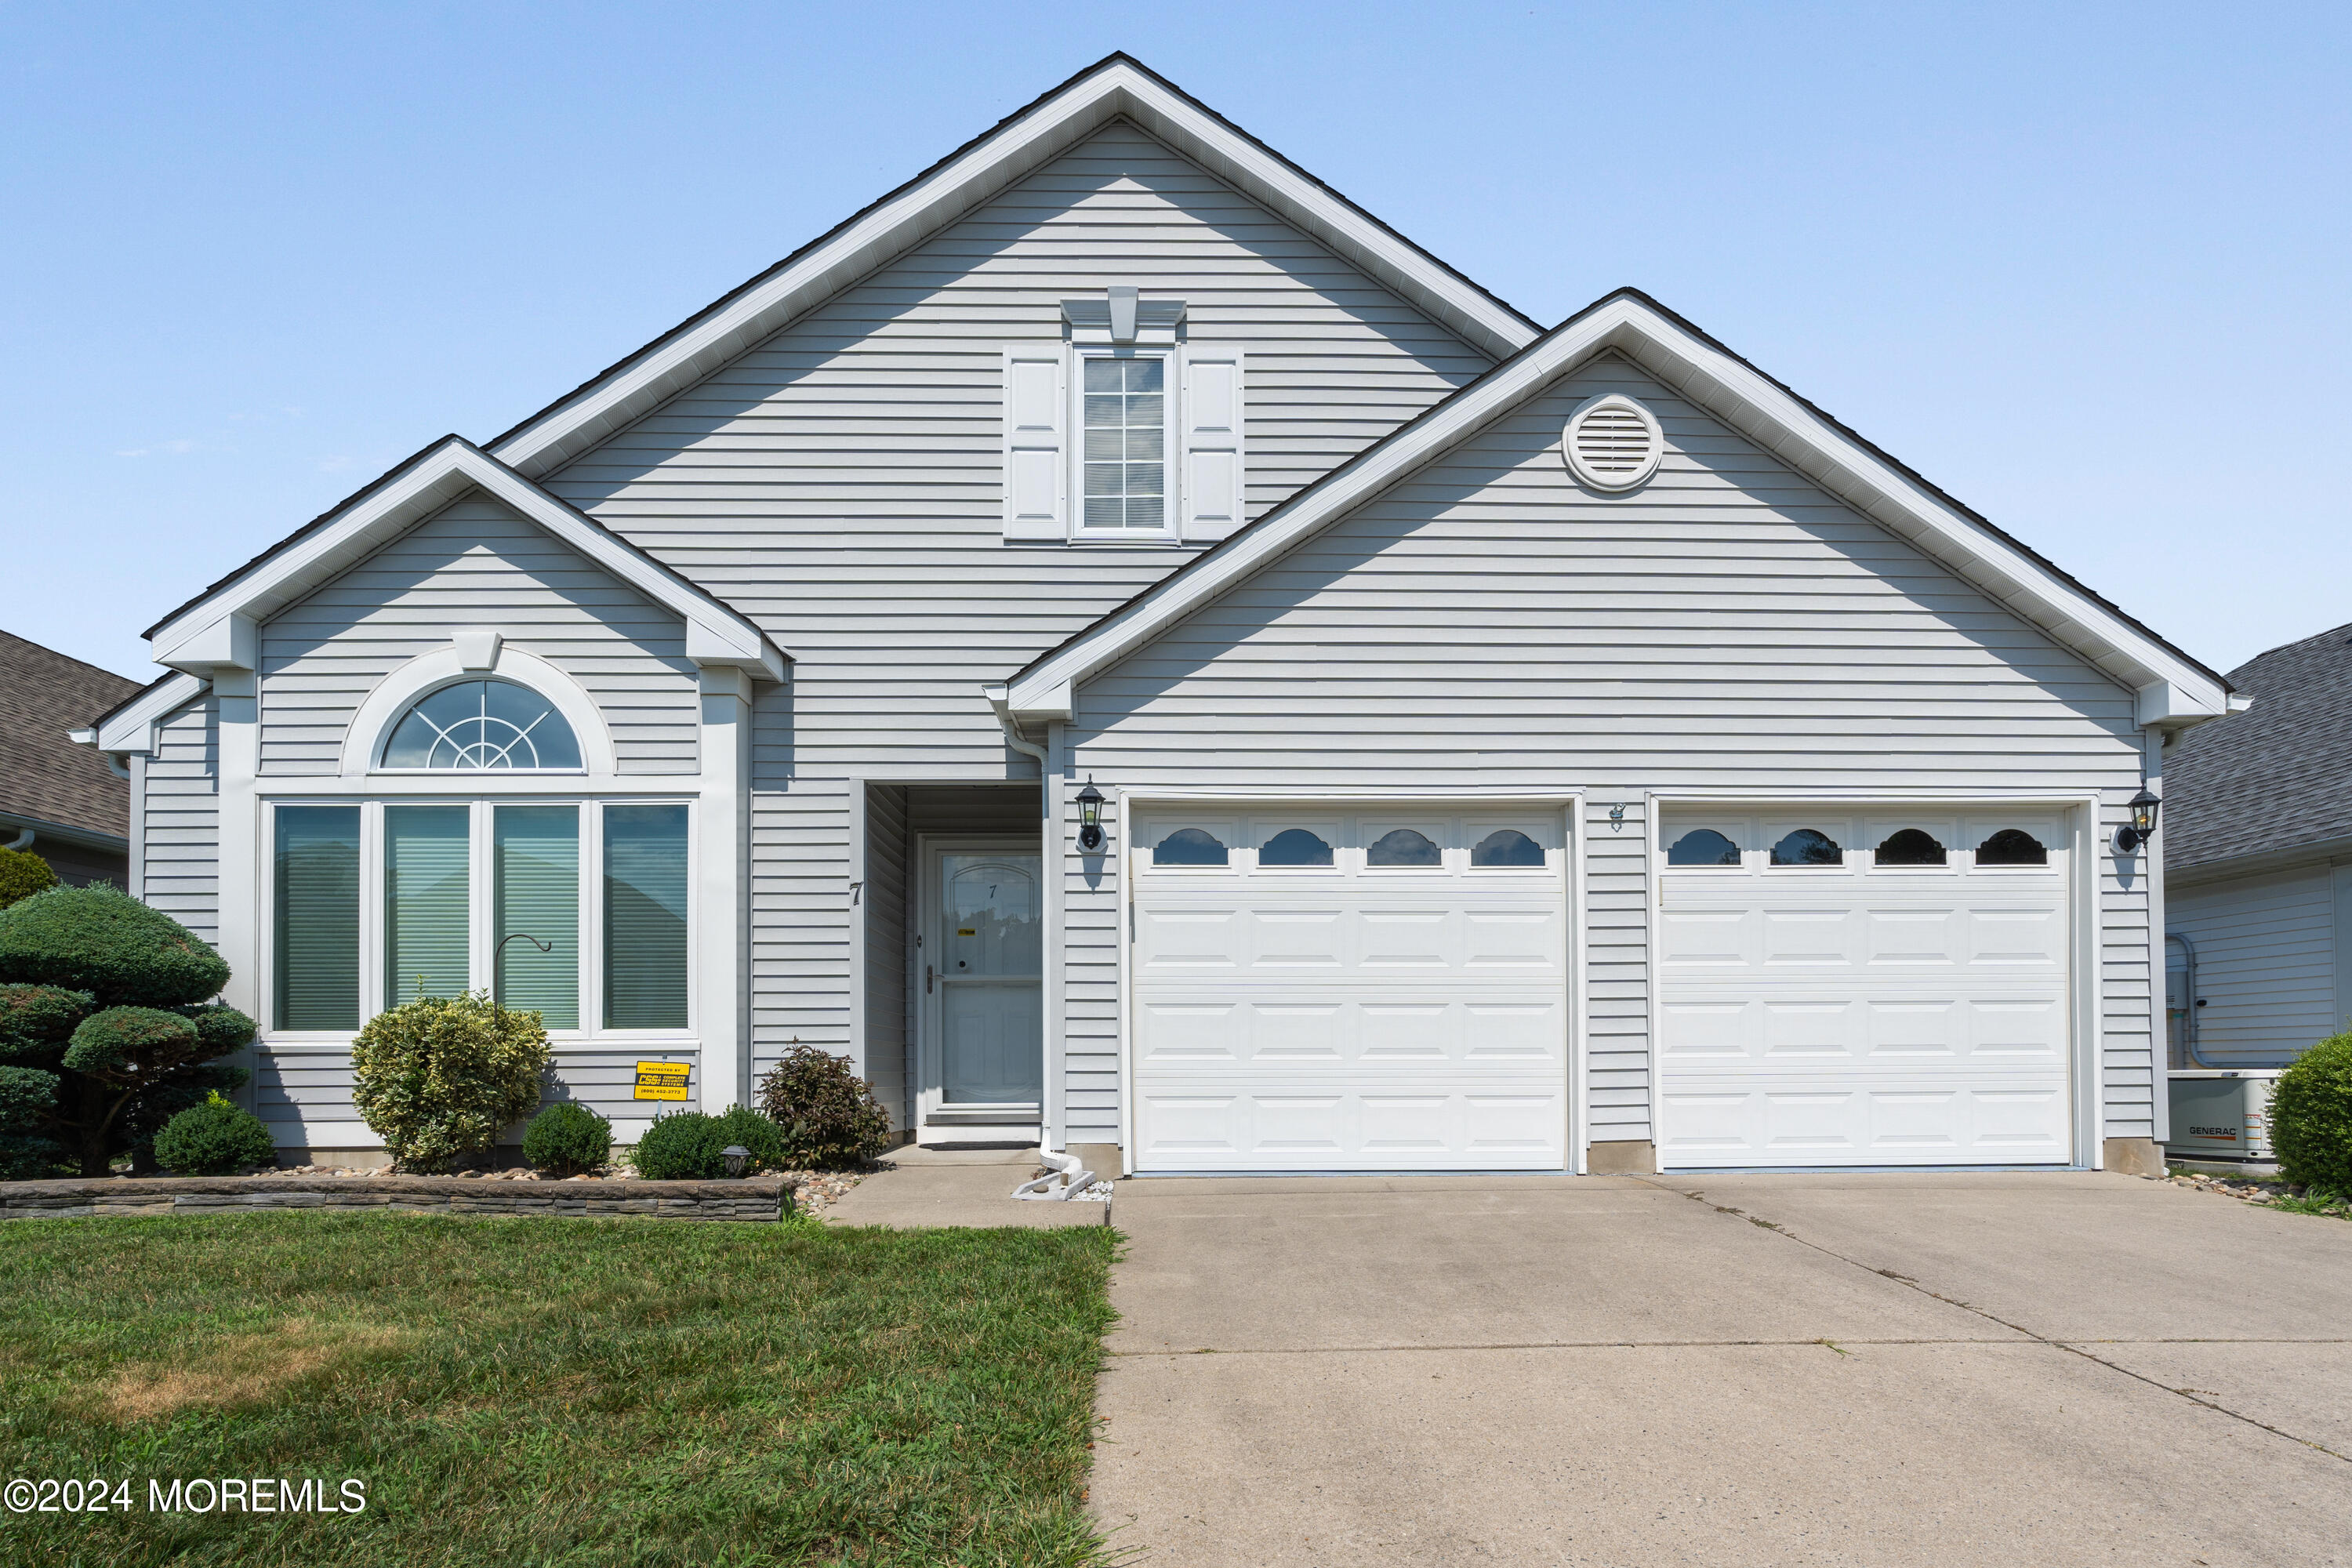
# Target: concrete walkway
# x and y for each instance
(957, 1187)
(1876, 1370)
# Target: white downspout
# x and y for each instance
(1049, 850)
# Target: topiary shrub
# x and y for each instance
(105, 1030)
(444, 1076)
(2311, 1119)
(217, 1138)
(684, 1146)
(827, 1114)
(23, 874)
(567, 1139)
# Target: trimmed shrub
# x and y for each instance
(683, 1146)
(105, 1030)
(748, 1129)
(23, 874)
(567, 1139)
(827, 1114)
(216, 1138)
(444, 1076)
(2311, 1118)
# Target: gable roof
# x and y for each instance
(2275, 779)
(216, 629)
(44, 778)
(2172, 687)
(1117, 87)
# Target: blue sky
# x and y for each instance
(2085, 267)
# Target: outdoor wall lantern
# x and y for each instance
(1090, 803)
(737, 1157)
(2142, 826)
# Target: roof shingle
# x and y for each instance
(2274, 776)
(44, 695)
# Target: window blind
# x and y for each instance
(537, 895)
(316, 954)
(428, 901)
(644, 916)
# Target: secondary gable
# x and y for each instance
(475, 563)
(1490, 621)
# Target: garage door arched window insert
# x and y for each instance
(1808, 847)
(1190, 847)
(1402, 849)
(2013, 847)
(1912, 847)
(482, 726)
(1294, 847)
(1703, 847)
(1508, 848)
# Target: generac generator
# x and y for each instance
(2221, 1114)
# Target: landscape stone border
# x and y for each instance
(751, 1198)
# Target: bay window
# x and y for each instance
(577, 910)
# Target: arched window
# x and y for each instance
(1402, 846)
(1911, 847)
(1507, 847)
(1294, 847)
(1703, 847)
(479, 726)
(2013, 847)
(1806, 848)
(1189, 846)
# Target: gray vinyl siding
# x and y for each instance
(2266, 963)
(179, 818)
(1489, 624)
(298, 1089)
(841, 485)
(887, 899)
(475, 563)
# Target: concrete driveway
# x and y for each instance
(1871, 1369)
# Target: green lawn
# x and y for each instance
(556, 1392)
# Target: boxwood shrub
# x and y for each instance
(217, 1138)
(567, 1139)
(689, 1146)
(2311, 1118)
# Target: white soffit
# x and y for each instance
(131, 727)
(2170, 687)
(218, 631)
(1118, 88)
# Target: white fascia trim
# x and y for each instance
(1018, 150)
(218, 633)
(131, 728)
(1742, 399)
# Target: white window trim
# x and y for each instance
(376, 987)
(1171, 489)
(371, 722)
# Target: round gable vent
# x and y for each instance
(1613, 443)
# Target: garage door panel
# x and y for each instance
(1915, 1120)
(1293, 1126)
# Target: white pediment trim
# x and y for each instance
(2171, 687)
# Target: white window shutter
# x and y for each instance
(1037, 446)
(1211, 412)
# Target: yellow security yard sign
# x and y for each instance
(662, 1081)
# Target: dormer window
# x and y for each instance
(483, 726)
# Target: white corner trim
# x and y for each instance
(217, 633)
(1729, 390)
(372, 721)
(131, 728)
(1014, 150)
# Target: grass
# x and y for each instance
(556, 1392)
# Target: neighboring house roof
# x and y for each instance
(216, 629)
(46, 780)
(2277, 778)
(2172, 687)
(1117, 87)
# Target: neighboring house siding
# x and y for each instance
(1488, 623)
(179, 818)
(841, 485)
(2266, 962)
(475, 563)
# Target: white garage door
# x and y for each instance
(1862, 990)
(1332, 991)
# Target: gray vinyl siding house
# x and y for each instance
(1408, 648)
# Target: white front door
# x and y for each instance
(1856, 987)
(1350, 989)
(983, 985)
